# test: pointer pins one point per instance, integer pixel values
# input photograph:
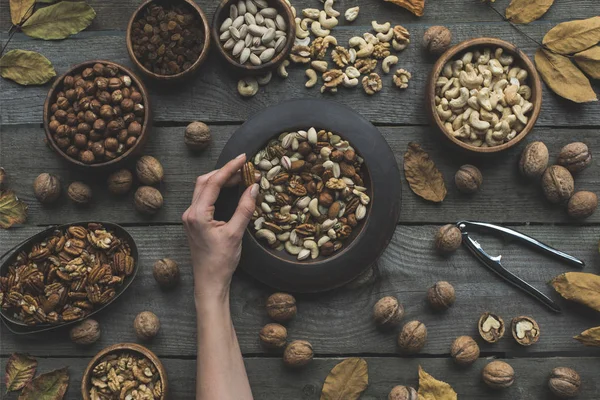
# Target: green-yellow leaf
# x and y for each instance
(26, 67)
(591, 337)
(526, 11)
(581, 287)
(20, 10)
(50, 386)
(573, 36)
(12, 210)
(563, 77)
(20, 369)
(589, 61)
(60, 20)
(346, 381)
(432, 389)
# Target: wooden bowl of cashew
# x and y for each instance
(484, 95)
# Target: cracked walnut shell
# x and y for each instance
(298, 354)
(525, 330)
(401, 78)
(491, 327)
(372, 83)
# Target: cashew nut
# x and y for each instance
(352, 53)
(518, 111)
(447, 71)
(385, 37)
(483, 98)
(454, 92)
(505, 59)
(291, 248)
(501, 130)
(500, 85)
(476, 123)
(525, 92)
(469, 78)
(302, 42)
(365, 51)
(313, 207)
(349, 82)
(313, 247)
(467, 58)
(511, 95)
(496, 67)
(352, 72)
(317, 30)
(461, 101)
(281, 70)
(442, 110)
(267, 235)
(352, 13)
(526, 107)
(311, 13)
(490, 140)
(473, 103)
(485, 57)
(330, 40)
(388, 62)
(312, 78)
(370, 38)
(301, 33)
(247, 87)
(327, 23)
(328, 7)
(357, 41)
(381, 28)
(264, 79)
(487, 77)
(464, 132)
(319, 65)
(457, 67)
(399, 46)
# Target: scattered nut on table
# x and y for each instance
(273, 335)
(558, 184)
(86, 332)
(437, 39)
(464, 350)
(403, 393)
(498, 375)
(491, 327)
(468, 179)
(146, 325)
(534, 160)
(166, 273)
(298, 354)
(197, 136)
(47, 188)
(149, 171)
(148, 200)
(401, 78)
(79, 193)
(575, 157)
(525, 330)
(441, 296)
(412, 337)
(281, 307)
(564, 382)
(448, 239)
(582, 205)
(388, 312)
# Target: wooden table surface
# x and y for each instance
(338, 323)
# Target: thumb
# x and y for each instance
(244, 210)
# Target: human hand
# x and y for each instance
(216, 246)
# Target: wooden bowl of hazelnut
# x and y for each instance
(143, 373)
(97, 115)
(168, 40)
(484, 95)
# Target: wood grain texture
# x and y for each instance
(270, 381)
(340, 322)
(504, 197)
(212, 94)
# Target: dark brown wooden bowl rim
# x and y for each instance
(145, 126)
(124, 347)
(278, 59)
(195, 65)
(534, 79)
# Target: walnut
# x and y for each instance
(318, 48)
(149, 170)
(381, 50)
(340, 56)
(372, 83)
(47, 188)
(166, 273)
(401, 37)
(387, 312)
(412, 338)
(558, 184)
(401, 78)
(365, 65)
(534, 160)
(582, 205)
(300, 54)
(448, 239)
(80, 193)
(120, 182)
(333, 78)
(298, 354)
(148, 200)
(468, 179)
(525, 330)
(498, 375)
(273, 335)
(441, 296)
(464, 350)
(575, 157)
(564, 382)
(197, 136)
(146, 325)
(403, 393)
(281, 307)
(86, 332)
(437, 39)
(491, 327)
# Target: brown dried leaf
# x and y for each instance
(591, 337)
(573, 36)
(422, 175)
(581, 287)
(346, 381)
(414, 6)
(20, 369)
(12, 210)
(50, 386)
(20, 10)
(526, 11)
(432, 389)
(563, 77)
(589, 61)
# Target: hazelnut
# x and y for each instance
(273, 335)
(87, 157)
(582, 205)
(564, 382)
(575, 157)
(146, 325)
(80, 193)
(441, 296)
(498, 375)
(166, 273)
(437, 39)
(298, 354)
(558, 184)
(412, 338)
(149, 170)
(47, 188)
(403, 393)
(148, 200)
(2, 178)
(491, 327)
(86, 332)
(468, 179)
(120, 182)
(448, 239)
(387, 312)
(197, 136)
(534, 160)
(134, 129)
(281, 307)
(464, 350)
(525, 330)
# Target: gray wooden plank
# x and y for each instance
(212, 94)
(339, 322)
(271, 381)
(504, 197)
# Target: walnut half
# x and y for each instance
(372, 83)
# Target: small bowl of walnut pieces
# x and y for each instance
(124, 371)
(484, 95)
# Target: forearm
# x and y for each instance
(221, 373)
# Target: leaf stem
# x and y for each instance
(515, 26)
(14, 28)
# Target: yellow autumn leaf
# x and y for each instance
(432, 389)
(581, 287)
(20, 10)
(526, 11)
(12, 210)
(573, 36)
(346, 381)
(589, 61)
(591, 337)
